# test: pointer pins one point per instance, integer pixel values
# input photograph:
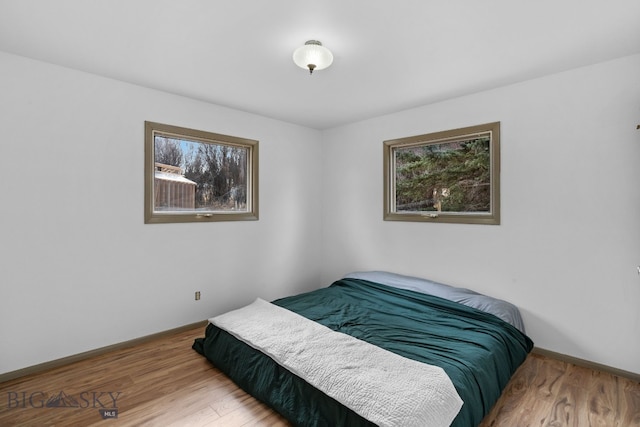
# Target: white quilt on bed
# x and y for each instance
(381, 386)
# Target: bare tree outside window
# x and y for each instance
(193, 175)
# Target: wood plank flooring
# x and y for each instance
(551, 393)
(165, 383)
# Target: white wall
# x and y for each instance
(569, 243)
(79, 269)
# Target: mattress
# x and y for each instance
(479, 351)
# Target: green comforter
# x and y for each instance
(477, 350)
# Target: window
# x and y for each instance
(196, 176)
(449, 176)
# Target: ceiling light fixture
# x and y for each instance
(312, 56)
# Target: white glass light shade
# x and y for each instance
(312, 56)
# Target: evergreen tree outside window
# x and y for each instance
(449, 176)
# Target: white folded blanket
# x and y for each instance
(381, 386)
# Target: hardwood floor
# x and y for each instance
(165, 383)
(549, 392)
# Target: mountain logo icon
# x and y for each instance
(62, 400)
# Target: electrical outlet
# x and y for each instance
(197, 295)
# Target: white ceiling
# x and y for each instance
(388, 55)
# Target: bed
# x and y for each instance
(390, 350)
